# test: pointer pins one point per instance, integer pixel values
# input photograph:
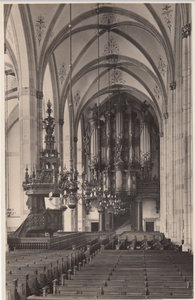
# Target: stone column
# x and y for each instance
(100, 221)
(172, 200)
(187, 135)
(74, 219)
(111, 221)
(163, 186)
(30, 122)
(169, 169)
(75, 211)
(139, 214)
(6, 145)
(178, 145)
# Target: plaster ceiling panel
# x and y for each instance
(11, 87)
(126, 48)
(8, 61)
(11, 105)
(117, 76)
(11, 83)
(150, 82)
(42, 15)
(61, 21)
(104, 19)
(166, 13)
(101, 99)
(78, 9)
(128, 80)
(153, 49)
(119, 46)
(79, 41)
(82, 86)
(139, 9)
(86, 57)
(10, 34)
(20, 45)
(90, 21)
(62, 58)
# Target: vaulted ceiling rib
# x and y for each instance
(142, 37)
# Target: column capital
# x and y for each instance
(39, 95)
(186, 30)
(172, 85)
(61, 122)
(26, 90)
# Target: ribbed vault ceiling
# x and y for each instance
(141, 57)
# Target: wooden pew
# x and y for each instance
(120, 274)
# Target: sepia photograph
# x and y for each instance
(98, 151)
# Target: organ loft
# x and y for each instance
(98, 150)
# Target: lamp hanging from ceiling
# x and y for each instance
(68, 180)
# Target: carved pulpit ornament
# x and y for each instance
(49, 160)
(39, 184)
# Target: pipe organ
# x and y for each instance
(123, 151)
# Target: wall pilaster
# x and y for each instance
(28, 136)
(187, 150)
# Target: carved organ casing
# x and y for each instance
(124, 146)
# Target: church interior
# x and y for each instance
(98, 151)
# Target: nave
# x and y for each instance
(100, 269)
(98, 150)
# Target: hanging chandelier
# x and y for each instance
(93, 189)
(68, 180)
(68, 186)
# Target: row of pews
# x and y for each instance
(124, 274)
(35, 271)
(100, 269)
(146, 244)
(57, 241)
